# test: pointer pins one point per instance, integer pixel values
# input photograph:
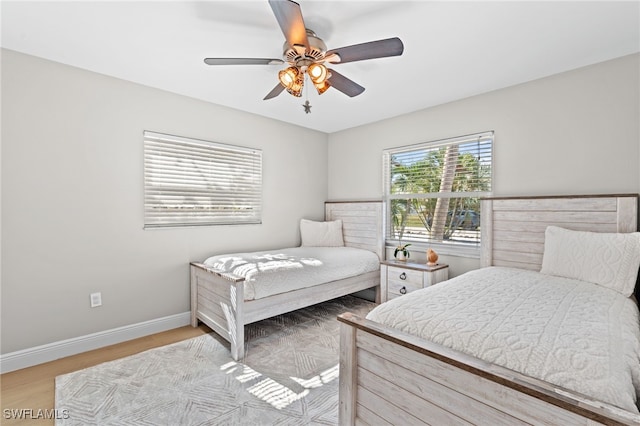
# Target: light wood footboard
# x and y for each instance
(390, 377)
(218, 301)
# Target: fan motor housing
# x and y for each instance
(304, 56)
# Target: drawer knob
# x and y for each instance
(403, 290)
(403, 276)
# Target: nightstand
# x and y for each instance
(398, 277)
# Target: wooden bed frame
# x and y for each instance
(218, 299)
(390, 377)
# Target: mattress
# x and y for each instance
(571, 333)
(279, 271)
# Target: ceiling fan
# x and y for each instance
(306, 55)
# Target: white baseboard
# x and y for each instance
(56, 350)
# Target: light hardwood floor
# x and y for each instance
(34, 387)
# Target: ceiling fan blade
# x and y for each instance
(289, 16)
(370, 50)
(243, 61)
(274, 92)
(345, 85)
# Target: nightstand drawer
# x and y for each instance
(399, 287)
(404, 275)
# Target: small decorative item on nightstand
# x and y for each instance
(432, 257)
(401, 252)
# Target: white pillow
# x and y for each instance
(321, 234)
(606, 259)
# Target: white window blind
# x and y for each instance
(433, 189)
(191, 182)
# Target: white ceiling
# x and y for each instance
(452, 50)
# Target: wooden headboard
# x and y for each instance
(512, 228)
(362, 223)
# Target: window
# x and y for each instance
(192, 182)
(432, 190)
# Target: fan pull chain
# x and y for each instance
(306, 105)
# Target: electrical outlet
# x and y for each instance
(96, 299)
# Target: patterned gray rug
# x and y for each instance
(289, 377)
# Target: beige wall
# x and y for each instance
(72, 199)
(571, 133)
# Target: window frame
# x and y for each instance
(193, 182)
(451, 248)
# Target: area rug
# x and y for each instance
(288, 377)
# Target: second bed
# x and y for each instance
(338, 257)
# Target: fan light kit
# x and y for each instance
(306, 55)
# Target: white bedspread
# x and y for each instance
(574, 334)
(278, 271)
